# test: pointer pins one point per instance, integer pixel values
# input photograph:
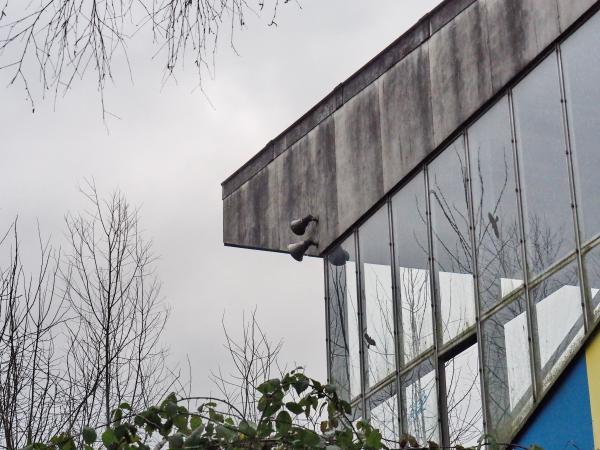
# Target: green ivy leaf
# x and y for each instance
(264, 429)
(294, 407)
(109, 437)
(225, 432)
(195, 422)
(373, 438)
(89, 435)
(69, 444)
(346, 407)
(181, 422)
(310, 439)
(269, 386)
(301, 384)
(117, 414)
(283, 422)
(247, 429)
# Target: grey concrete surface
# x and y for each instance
(460, 70)
(308, 177)
(406, 118)
(346, 153)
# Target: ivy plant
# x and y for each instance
(296, 412)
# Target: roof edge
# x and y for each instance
(411, 39)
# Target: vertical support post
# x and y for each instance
(534, 356)
(361, 328)
(588, 316)
(398, 335)
(327, 319)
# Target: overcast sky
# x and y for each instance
(171, 149)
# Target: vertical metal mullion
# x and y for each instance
(534, 356)
(327, 319)
(475, 267)
(397, 310)
(440, 375)
(361, 329)
(585, 303)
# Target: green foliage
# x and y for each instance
(288, 407)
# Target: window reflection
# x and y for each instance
(420, 403)
(343, 320)
(410, 234)
(448, 187)
(463, 398)
(496, 235)
(507, 368)
(543, 167)
(384, 414)
(558, 296)
(581, 62)
(592, 266)
(496, 222)
(378, 334)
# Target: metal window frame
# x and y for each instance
(588, 316)
(442, 352)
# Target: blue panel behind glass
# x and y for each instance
(564, 420)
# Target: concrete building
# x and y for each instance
(456, 181)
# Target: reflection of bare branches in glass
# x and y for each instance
(379, 333)
(416, 311)
(497, 230)
(420, 400)
(500, 273)
(463, 396)
(384, 414)
(343, 319)
(412, 270)
(485, 194)
(506, 367)
(449, 194)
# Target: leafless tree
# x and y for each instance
(113, 354)
(255, 359)
(31, 310)
(81, 335)
(60, 40)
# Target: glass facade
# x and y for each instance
(442, 304)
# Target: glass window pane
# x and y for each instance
(497, 230)
(581, 62)
(558, 296)
(592, 267)
(356, 415)
(410, 234)
(344, 341)
(378, 335)
(463, 397)
(507, 368)
(420, 403)
(543, 167)
(384, 414)
(448, 187)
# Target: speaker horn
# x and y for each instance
(298, 249)
(298, 226)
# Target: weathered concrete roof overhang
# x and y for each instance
(340, 158)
